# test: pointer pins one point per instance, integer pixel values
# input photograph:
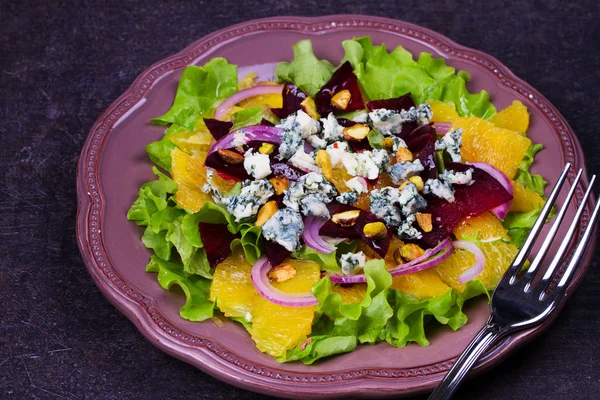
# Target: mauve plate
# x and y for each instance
(114, 164)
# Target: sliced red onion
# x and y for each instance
(438, 254)
(501, 210)
(441, 128)
(261, 133)
(312, 238)
(243, 95)
(261, 283)
(477, 268)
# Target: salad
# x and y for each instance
(336, 205)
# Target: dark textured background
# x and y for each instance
(62, 65)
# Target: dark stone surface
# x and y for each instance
(62, 64)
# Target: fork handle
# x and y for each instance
(482, 341)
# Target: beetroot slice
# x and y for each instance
(293, 96)
(237, 171)
(275, 252)
(290, 172)
(484, 194)
(444, 217)
(419, 137)
(216, 239)
(427, 157)
(380, 246)
(346, 123)
(217, 128)
(397, 103)
(266, 122)
(342, 79)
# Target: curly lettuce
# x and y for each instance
(383, 314)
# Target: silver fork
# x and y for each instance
(518, 303)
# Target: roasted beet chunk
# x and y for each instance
(398, 103)
(293, 97)
(217, 128)
(427, 157)
(215, 161)
(343, 79)
(275, 252)
(216, 239)
(419, 137)
(443, 216)
(484, 194)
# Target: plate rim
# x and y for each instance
(210, 357)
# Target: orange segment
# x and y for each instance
(498, 257)
(351, 293)
(271, 100)
(485, 142)
(483, 226)
(231, 287)
(422, 284)
(514, 117)
(198, 140)
(190, 175)
(443, 112)
(275, 328)
(525, 199)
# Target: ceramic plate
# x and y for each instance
(114, 164)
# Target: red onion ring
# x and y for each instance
(261, 133)
(477, 268)
(442, 251)
(441, 128)
(263, 286)
(501, 210)
(312, 238)
(243, 95)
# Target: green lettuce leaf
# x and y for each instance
(520, 223)
(327, 262)
(252, 116)
(160, 152)
(385, 75)
(200, 89)
(375, 139)
(152, 198)
(306, 71)
(189, 246)
(534, 182)
(408, 323)
(197, 306)
(383, 314)
(318, 347)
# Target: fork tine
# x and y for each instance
(580, 248)
(521, 257)
(543, 251)
(569, 235)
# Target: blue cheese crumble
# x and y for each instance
(457, 177)
(296, 127)
(256, 164)
(387, 122)
(285, 228)
(239, 138)
(439, 189)
(252, 195)
(421, 115)
(338, 151)
(368, 164)
(349, 198)
(332, 130)
(410, 201)
(361, 118)
(383, 205)
(358, 185)
(407, 230)
(401, 171)
(352, 263)
(452, 143)
(398, 143)
(315, 188)
(304, 161)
